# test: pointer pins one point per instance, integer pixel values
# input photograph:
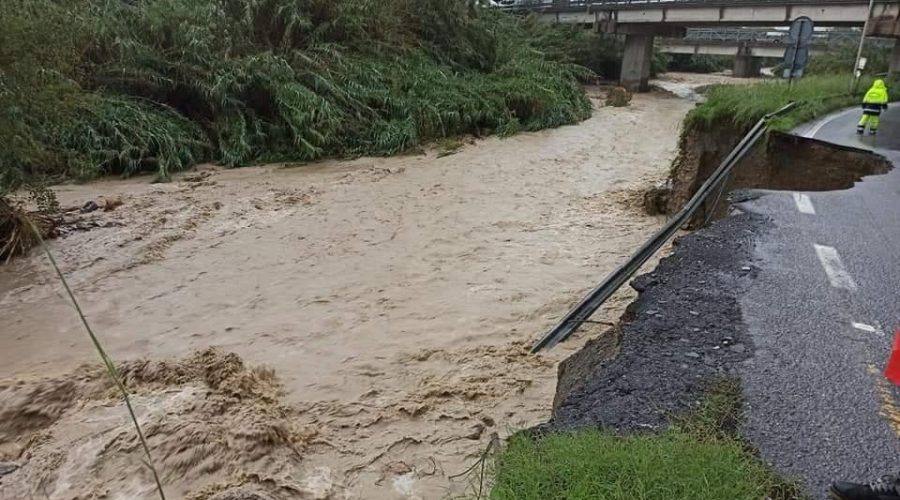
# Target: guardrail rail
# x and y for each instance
(581, 312)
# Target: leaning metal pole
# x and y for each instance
(854, 78)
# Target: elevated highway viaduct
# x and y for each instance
(641, 21)
(748, 46)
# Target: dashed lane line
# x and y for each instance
(804, 204)
(834, 268)
(867, 328)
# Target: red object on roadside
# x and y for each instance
(892, 371)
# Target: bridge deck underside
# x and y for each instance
(765, 14)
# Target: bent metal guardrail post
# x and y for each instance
(581, 312)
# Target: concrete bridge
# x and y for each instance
(749, 45)
(641, 21)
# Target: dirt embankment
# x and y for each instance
(781, 162)
(683, 332)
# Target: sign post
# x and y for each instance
(796, 54)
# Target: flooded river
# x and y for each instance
(394, 298)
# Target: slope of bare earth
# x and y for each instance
(394, 298)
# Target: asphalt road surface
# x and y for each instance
(821, 313)
(799, 296)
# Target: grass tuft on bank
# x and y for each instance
(743, 105)
(591, 464)
(699, 457)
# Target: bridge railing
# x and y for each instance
(767, 36)
(580, 5)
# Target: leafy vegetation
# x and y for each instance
(698, 458)
(700, 63)
(743, 105)
(841, 59)
(601, 53)
(92, 87)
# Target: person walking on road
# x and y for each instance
(875, 101)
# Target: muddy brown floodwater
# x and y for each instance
(394, 299)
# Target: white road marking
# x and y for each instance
(815, 130)
(804, 204)
(834, 268)
(864, 327)
(867, 328)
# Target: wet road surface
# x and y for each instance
(797, 295)
(821, 313)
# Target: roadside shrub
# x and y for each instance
(839, 59)
(700, 63)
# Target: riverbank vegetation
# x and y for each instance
(120, 87)
(93, 87)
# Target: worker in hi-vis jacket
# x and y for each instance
(875, 101)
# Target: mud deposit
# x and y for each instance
(682, 333)
(782, 162)
(394, 298)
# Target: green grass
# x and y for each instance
(699, 457)
(743, 105)
(590, 464)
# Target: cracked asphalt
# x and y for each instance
(818, 407)
(798, 295)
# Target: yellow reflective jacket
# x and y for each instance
(878, 94)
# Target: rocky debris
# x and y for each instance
(198, 180)
(683, 332)
(241, 494)
(68, 225)
(107, 204)
(84, 218)
(7, 468)
(656, 199)
(89, 207)
(111, 203)
(196, 177)
(618, 97)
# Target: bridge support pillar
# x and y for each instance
(746, 66)
(894, 69)
(637, 62)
